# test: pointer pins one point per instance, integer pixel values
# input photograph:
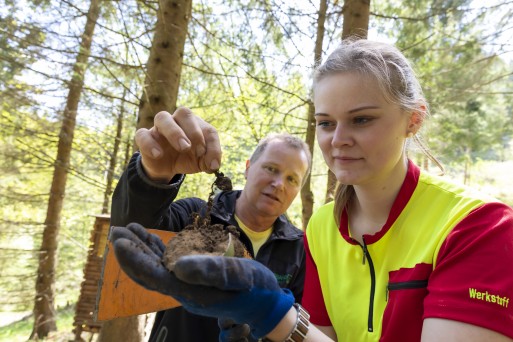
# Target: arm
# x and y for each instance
(435, 330)
(471, 285)
(443, 330)
(288, 323)
(138, 199)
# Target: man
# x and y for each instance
(182, 143)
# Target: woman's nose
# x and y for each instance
(341, 137)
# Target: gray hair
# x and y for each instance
(291, 141)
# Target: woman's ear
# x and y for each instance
(416, 120)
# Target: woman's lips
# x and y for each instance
(346, 159)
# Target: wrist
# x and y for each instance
(271, 313)
(172, 183)
(293, 327)
(152, 176)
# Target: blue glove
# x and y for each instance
(240, 289)
(233, 332)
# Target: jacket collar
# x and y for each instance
(224, 209)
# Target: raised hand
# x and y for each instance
(178, 143)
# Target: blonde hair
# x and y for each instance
(395, 77)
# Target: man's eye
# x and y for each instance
(293, 181)
(270, 169)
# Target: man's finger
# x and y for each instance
(235, 333)
(120, 233)
(144, 268)
(213, 155)
(170, 129)
(148, 144)
(191, 126)
(225, 323)
(224, 273)
(151, 240)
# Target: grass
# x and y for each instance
(20, 330)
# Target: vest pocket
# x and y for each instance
(406, 285)
(405, 293)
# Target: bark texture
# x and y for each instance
(164, 66)
(356, 18)
(114, 158)
(307, 197)
(44, 313)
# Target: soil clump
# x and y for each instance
(201, 237)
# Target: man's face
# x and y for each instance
(274, 179)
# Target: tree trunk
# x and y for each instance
(331, 186)
(307, 197)
(114, 157)
(128, 152)
(160, 92)
(128, 329)
(356, 23)
(165, 61)
(356, 18)
(44, 313)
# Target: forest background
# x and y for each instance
(73, 91)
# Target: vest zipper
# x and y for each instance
(366, 255)
(412, 284)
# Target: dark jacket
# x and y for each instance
(137, 199)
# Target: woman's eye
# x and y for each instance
(323, 123)
(361, 120)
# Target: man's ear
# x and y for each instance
(247, 167)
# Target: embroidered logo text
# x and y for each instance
(489, 297)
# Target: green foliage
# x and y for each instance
(471, 134)
(26, 168)
(257, 90)
(460, 69)
(23, 195)
(246, 70)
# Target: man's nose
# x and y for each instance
(278, 182)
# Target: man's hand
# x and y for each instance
(178, 143)
(233, 332)
(242, 290)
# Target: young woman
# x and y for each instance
(400, 255)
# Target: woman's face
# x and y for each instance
(361, 135)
